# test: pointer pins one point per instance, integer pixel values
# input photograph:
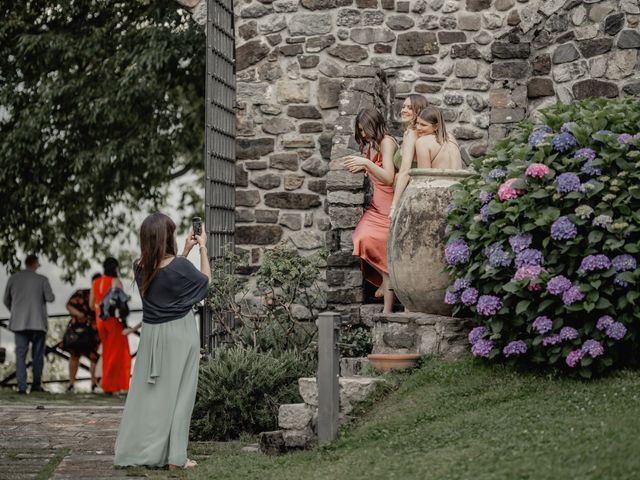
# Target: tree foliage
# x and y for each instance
(101, 104)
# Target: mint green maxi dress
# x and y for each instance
(154, 430)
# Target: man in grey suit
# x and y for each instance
(25, 296)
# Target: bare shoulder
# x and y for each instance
(388, 140)
(427, 141)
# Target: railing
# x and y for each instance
(58, 352)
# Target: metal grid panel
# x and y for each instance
(220, 148)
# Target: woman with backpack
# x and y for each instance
(116, 357)
(154, 430)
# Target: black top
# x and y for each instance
(174, 290)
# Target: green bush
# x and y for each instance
(544, 242)
(355, 341)
(240, 390)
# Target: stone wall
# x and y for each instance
(305, 66)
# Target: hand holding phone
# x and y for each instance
(196, 222)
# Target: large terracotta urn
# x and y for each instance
(415, 248)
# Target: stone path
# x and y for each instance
(50, 440)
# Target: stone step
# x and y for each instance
(421, 333)
(350, 367)
(352, 391)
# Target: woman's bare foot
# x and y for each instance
(379, 292)
(188, 464)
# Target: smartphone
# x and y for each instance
(197, 225)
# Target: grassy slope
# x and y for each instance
(463, 420)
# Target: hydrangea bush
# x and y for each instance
(543, 244)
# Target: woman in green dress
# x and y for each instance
(154, 430)
(405, 157)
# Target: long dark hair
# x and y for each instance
(418, 103)
(110, 267)
(375, 128)
(157, 241)
(434, 116)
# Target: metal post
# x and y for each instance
(328, 376)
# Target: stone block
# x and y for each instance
(540, 87)
(622, 64)
(293, 182)
(342, 258)
(266, 181)
(469, 21)
(565, 53)
(541, 64)
(266, 216)
(324, 4)
(308, 24)
(341, 197)
(349, 53)
(629, 39)
(253, 148)
(317, 186)
(344, 180)
(293, 221)
(258, 234)
(292, 91)
(292, 200)
(509, 50)
(294, 416)
(345, 295)
(298, 438)
(478, 5)
(244, 215)
(247, 198)
(345, 217)
(466, 70)
(400, 22)
(596, 46)
(307, 239)
(594, 88)
(256, 165)
(276, 126)
(451, 37)
(350, 367)
(272, 443)
(284, 161)
(250, 53)
(569, 71)
(317, 44)
(417, 43)
(368, 35)
(294, 140)
(303, 111)
(308, 390)
(509, 70)
(328, 92)
(248, 30)
(506, 115)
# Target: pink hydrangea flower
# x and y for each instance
(507, 192)
(537, 170)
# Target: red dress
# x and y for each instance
(116, 358)
(370, 235)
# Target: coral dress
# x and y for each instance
(370, 236)
(116, 358)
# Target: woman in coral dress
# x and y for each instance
(116, 358)
(370, 236)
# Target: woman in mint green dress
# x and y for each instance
(154, 430)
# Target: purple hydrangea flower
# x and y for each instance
(469, 296)
(568, 333)
(563, 229)
(485, 197)
(536, 137)
(603, 322)
(516, 347)
(616, 330)
(574, 357)
(542, 325)
(497, 256)
(625, 138)
(563, 141)
(460, 284)
(484, 213)
(567, 182)
(589, 169)
(520, 241)
(624, 263)
(593, 348)
(457, 252)
(527, 272)
(558, 285)
(592, 263)
(586, 154)
(482, 348)
(488, 305)
(551, 340)
(529, 256)
(450, 298)
(476, 334)
(572, 296)
(497, 173)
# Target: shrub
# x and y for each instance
(240, 390)
(543, 243)
(355, 341)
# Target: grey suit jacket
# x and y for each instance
(25, 296)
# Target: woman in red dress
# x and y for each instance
(370, 236)
(116, 358)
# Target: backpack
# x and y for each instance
(115, 304)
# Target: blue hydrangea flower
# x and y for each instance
(592, 263)
(497, 173)
(603, 322)
(617, 280)
(542, 324)
(624, 263)
(485, 197)
(586, 154)
(563, 141)
(457, 252)
(476, 334)
(589, 169)
(529, 256)
(568, 333)
(482, 348)
(625, 138)
(568, 182)
(593, 348)
(516, 347)
(536, 137)
(616, 330)
(484, 213)
(558, 285)
(460, 284)
(488, 305)
(451, 298)
(497, 256)
(563, 229)
(520, 241)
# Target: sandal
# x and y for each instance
(188, 464)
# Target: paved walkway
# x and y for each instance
(50, 440)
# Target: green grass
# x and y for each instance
(463, 420)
